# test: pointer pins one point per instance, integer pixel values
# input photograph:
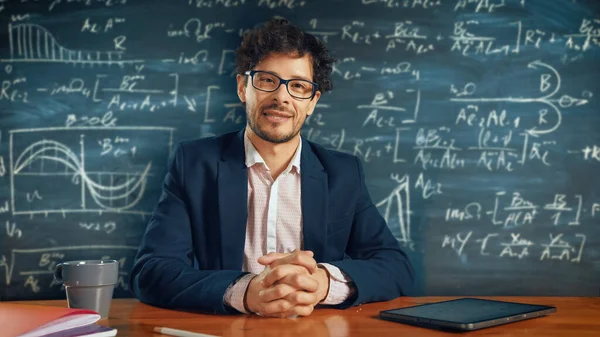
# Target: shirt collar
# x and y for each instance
(253, 157)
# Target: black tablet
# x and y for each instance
(465, 314)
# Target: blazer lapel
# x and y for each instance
(314, 202)
(232, 181)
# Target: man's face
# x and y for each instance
(277, 117)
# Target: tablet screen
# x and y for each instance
(467, 310)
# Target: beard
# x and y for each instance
(262, 133)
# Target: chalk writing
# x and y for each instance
(516, 246)
(475, 122)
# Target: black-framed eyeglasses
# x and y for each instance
(269, 82)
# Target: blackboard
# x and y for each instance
(476, 120)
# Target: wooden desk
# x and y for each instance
(574, 317)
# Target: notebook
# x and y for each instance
(465, 314)
(20, 320)
(92, 330)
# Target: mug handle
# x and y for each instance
(58, 272)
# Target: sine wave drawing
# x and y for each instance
(110, 171)
(53, 151)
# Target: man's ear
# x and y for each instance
(313, 103)
(241, 87)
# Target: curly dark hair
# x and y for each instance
(280, 36)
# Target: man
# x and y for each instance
(262, 221)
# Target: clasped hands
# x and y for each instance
(290, 285)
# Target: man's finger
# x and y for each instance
(302, 298)
(300, 282)
(279, 272)
(273, 256)
(299, 258)
(275, 308)
(276, 292)
(265, 260)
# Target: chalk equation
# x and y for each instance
(475, 37)
(33, 268)
(503, 141)
(515, 245)
(549, 85)
(517, 210)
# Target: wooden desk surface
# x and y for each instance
(575, 316)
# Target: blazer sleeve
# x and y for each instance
(163, 273)
(378, 267)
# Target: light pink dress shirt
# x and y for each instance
(275, 225)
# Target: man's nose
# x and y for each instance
(282, 94)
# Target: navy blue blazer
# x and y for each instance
(193, 247)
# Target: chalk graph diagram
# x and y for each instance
(396, 210)
(30, 42)
(51, 169)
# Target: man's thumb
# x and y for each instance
(266, 260)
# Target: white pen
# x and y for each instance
(180, 333)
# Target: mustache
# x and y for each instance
(277, 107)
